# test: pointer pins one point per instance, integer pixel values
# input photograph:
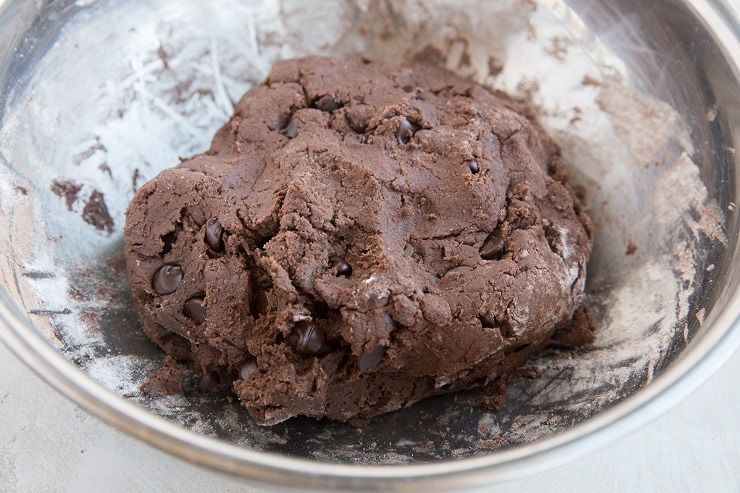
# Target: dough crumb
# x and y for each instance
(168, 380)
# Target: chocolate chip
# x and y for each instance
(260, 304)
(473, 166)
(167, 279)
(357, 124)
(194, 310)
(214, 234)
(209, 381)
(405, 131)
(367, 360)
(493, 247)
(291, 130)
(353, 137)
(327, 103)
(487, 321)
(307, 338)
(341, 267)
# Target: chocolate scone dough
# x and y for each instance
(358, 237)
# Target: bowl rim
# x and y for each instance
(694, 366)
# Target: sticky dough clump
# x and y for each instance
(359, 236)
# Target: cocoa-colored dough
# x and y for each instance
(167, 380)
(358, 237)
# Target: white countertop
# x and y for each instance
(50, 444)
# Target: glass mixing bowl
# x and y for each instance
(99, 95)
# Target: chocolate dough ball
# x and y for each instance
(359, 236)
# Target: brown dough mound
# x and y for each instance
(358, 237)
